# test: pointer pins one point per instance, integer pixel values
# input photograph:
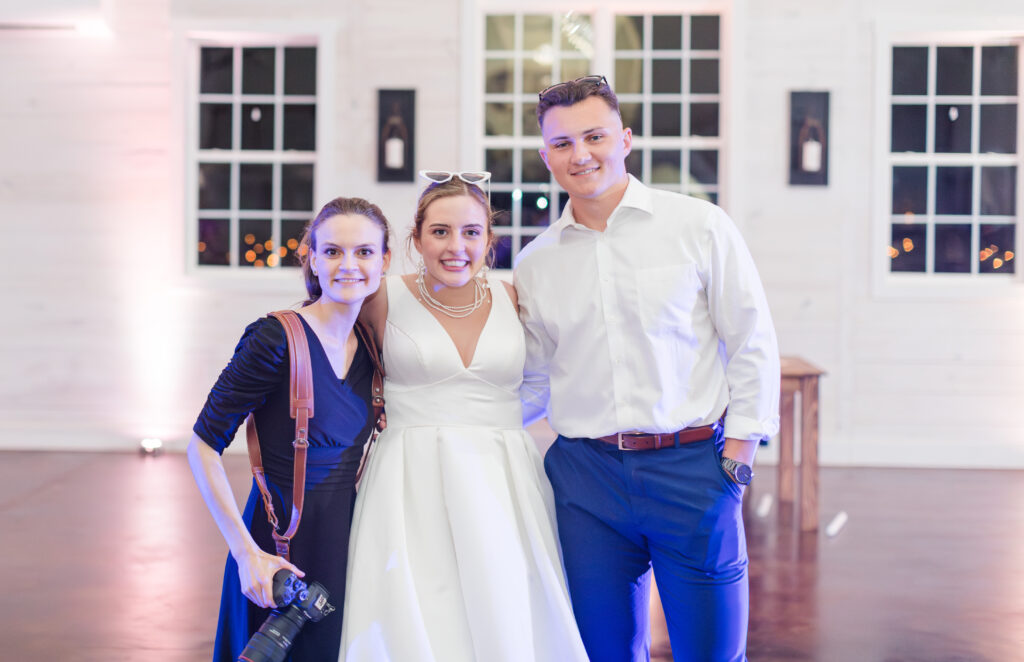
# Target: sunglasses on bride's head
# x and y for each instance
(476, 178)
(442, 176)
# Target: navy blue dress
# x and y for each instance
(257, 379)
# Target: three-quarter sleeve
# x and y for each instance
(259, 367)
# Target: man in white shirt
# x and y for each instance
(652, 352)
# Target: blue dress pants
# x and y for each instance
(622, 512)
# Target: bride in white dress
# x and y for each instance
(454, 555)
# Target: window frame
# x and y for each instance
(191, 36)
(939, 32)
(473, 142)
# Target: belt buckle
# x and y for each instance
(631, 432)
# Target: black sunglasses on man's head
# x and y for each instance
(593, 79)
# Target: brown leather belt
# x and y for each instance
(644, 441)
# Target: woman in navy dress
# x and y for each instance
(347, 253)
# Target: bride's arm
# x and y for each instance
(374, 312)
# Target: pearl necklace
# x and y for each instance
(480, 288)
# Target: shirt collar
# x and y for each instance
(637, 196)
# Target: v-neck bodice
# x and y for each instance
(317, 346)
(427, 383)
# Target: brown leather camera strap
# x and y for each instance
(301, 409)
(377, 399)
(377, 394)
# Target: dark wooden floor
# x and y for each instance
(114, 557)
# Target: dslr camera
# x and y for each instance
(297, 604)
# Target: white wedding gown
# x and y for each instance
(454, 555)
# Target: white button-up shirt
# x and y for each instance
(655, 324)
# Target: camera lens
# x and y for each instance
(297, 604)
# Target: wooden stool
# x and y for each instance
(798, 375)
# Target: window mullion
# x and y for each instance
(687, 95)
(975, 218)
(276, 171)
(930, 191)
(930, 219)
(1019, 205)
(975, 159)
(236, 147)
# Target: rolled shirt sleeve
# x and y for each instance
(739, 311)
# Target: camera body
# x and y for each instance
(297, 603)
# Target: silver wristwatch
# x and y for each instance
(739, 473)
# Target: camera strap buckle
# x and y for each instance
(281, 543)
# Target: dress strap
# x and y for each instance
(496, 283)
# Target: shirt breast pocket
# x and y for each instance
(669, 298)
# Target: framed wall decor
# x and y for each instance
(396, 135)
(808, 138)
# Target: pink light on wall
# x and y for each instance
(86, 17)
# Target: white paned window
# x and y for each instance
(252, 155)
(665, 68)
(667, 78)
(954, 158)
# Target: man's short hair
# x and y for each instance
(572, 92)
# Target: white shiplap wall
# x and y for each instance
(110, 340)
(916, 376)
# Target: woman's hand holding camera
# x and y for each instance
(256, 570)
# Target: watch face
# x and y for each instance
(743, 474)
